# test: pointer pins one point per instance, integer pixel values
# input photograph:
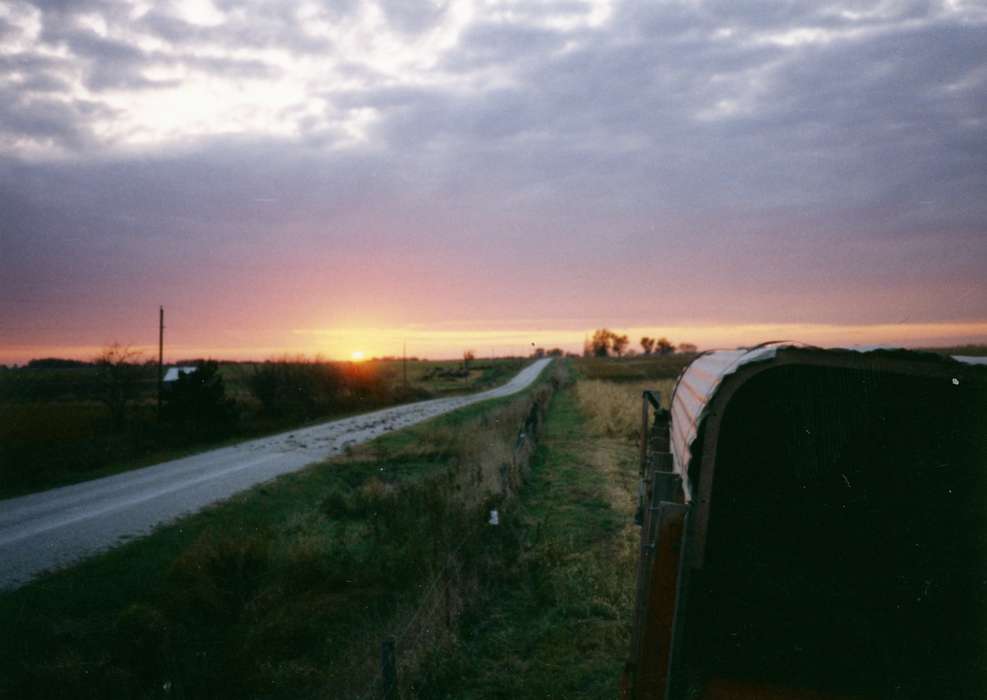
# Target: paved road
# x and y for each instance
(54, 528)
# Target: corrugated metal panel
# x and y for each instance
(699, 382)
(696, 388)
(693, 391)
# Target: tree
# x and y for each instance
(538, 353)
(600, 342)
(197, 402)
(664, 346)
(687, 347)
(119, 378)
(468, 357)
(647, 345)
(619, 343)
(300, 388)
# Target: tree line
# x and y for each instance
(607, 343)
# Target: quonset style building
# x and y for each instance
(815, 525)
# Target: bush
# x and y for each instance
(197, 403)
(296, 388)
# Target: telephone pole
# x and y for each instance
(160, 356)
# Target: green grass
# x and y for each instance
(285, 590)
(554, 623)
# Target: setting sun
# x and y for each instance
(356, 355)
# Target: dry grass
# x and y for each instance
(555, 621)
(614, 410)
(633, 369)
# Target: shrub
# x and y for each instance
(295, 388)
(197, 402)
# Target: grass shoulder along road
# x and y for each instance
(287, 589)
(555, 621)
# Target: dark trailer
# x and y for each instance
(814, 526)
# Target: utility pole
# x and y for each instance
(160, 356)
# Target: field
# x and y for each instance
(58, 426)
(639, 368)
(289, 589)
(428, 377)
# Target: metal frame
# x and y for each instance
(664, 523)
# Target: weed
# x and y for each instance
(614, 410)
(633, 369)
(552, 618)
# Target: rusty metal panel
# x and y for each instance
(661, 593)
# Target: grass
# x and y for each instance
(614, 409)
(285, 590)
(633, 369)
(556, 621)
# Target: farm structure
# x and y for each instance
(814, 525)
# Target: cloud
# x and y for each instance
(792, 162)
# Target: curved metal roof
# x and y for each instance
(702, 379)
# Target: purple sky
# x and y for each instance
(306, 177)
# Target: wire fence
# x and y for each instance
(435, 598)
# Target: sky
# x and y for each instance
(326, 178)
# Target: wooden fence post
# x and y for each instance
(388, 670)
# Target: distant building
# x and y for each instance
(172, 374)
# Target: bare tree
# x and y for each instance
(119, 377)
(619, 343)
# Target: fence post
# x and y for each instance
(644, 434)
(388, 670)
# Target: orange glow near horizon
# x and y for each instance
(446, 343)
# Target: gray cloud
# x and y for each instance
(824, 148)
